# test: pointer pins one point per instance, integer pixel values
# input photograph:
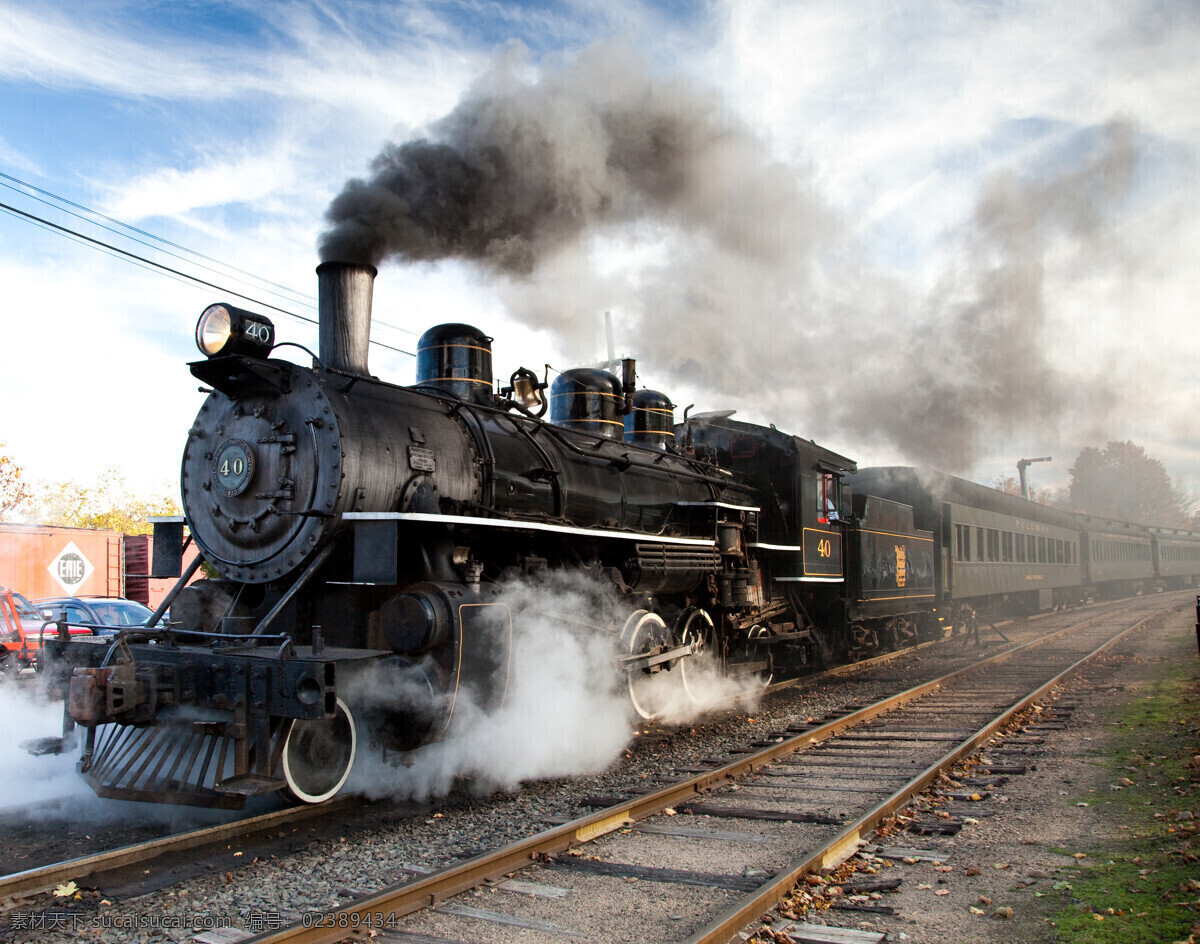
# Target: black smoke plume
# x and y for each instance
(735, 284)
(520, 170)
(988, 356)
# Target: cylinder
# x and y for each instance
(589, 400)
(456, 358)
(651, 422)
(418, 620)
(344, 305)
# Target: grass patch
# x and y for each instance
(1141, 884)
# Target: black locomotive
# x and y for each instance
(361, 534)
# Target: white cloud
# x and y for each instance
(215, 182)
(16, 159)
(900, 110)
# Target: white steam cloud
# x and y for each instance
(563, 713)
(567, 710)
(49, 786)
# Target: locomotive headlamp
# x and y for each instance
(223, 329)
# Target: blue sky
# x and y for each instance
(997, 243)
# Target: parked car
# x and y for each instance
(106, 615)
(20, 629)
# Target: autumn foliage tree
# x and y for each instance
(1011, 485)
(108, 505)
(15, 493)
(1120, 481)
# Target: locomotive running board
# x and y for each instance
(177, 762)
(523, 524)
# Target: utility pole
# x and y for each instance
(1024, 464)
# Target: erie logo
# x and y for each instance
(901, 565)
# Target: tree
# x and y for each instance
(15, 494)
(109, 505)
(1011, 485)
(1122, 482)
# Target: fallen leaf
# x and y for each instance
(975, 910)
(942, 891)
(66, 890)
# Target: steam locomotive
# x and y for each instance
(360, 536)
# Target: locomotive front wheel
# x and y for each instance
(318, 755)
(644, 634)
(694, 628)
(761, 632)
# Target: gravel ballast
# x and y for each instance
(1036, 814)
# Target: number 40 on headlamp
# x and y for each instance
(223, 330)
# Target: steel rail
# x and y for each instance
(410, 896)
(47, 877)
(727, 926)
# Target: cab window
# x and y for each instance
(827, 497)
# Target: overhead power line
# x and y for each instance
(177, 274)
(150, 262)
(96, 214)
(54, 200)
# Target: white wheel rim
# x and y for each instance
(313, 784)
(696, 626)
(641, 627)
(756, 632)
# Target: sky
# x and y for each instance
(945, 233)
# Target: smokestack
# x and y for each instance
(344, 291)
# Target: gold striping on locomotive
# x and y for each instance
(609, 422)
(469, 347)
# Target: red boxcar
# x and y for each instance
(50, 561)
(41, 561)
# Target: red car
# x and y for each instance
(20, 632)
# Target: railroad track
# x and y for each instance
(106, 866)
(29, 882)
(804, 800)
(132, 871)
